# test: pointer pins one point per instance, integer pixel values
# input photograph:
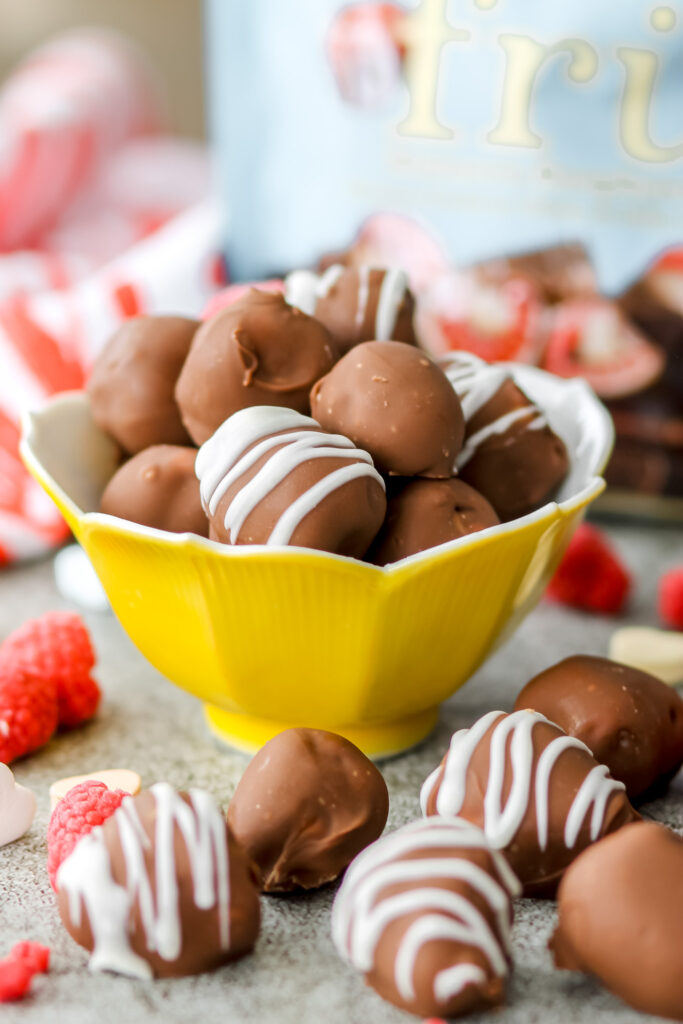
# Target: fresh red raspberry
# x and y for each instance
(28, 709)
(590, 576)
(17, 970)
(670, 598)
(83, 808)
(58, 646)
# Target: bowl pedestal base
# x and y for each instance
(248, 733)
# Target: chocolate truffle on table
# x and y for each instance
(511, 455)
(356, 304)
(539, 795)
(272, 476)
(308, 802)
(423, 513)
(131, 388)
(632, 722)
(425, 913)
(158, 487)
(257, 351)
(620, 917)
(397, 404)
(161, 889)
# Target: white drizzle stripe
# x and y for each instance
(454, 979)
(391, 294)
(225, 457)
(86, 877)
(501, 823)
(499, 426)
(471, 931)
(363, 296)
(237, 434)
(310, 499)
(360, 915)
(303, 288)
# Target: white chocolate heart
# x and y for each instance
(113, 778)
(17, 807)
(656, 651)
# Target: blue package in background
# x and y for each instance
(498, 125)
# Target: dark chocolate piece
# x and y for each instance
(158, 488)
(632, 722)
(620, 917)
(132, 383)
(257, 351)
(397, 404)
(308, 802)
(424, 513)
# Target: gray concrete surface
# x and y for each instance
(294, 977)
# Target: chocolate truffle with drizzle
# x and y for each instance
(425, 913)
(539, 795)
(511, 455)
(272, 476)
(161, 889)
(356, 304)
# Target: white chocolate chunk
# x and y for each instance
(17, 807)
(657, 651)
(113, 778)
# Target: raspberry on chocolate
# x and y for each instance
(83, 808)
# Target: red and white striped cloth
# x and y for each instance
(101, 218)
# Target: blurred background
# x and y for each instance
(169, 31)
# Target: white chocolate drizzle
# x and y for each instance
(361, 913)
(475, 383)
(304, 288)
(86, 877)
(511, 746)
(294, 439)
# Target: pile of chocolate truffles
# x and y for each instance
(314, 419)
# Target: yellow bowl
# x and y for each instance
(270, 638)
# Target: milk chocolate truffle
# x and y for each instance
(161, 889)
(632, 722)
(425, 913)
(133, 380)
(272, 476)
(620, 917)
(356, 304)
(397, 404)
(424, 513)
(158, 488)
(308, 802)
(511, 454)
(539, 795)
(256, 351)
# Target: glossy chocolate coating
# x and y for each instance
(353, 307)
(631, 721)
(424, 513)
(200, 945)
(158, 487)
(425, 913)
(257, 351)
(538, 811)
(131, 388)
(397, 404)
(620, 917)
(308, 802)
(344, 520)
(520, 468)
